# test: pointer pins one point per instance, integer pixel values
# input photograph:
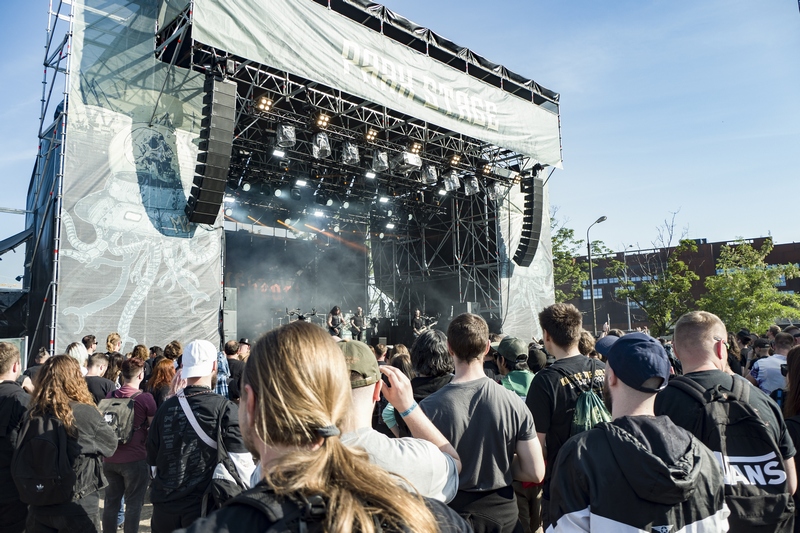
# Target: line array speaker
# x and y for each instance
(533, 211)
(214, 157)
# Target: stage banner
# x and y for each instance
(130, 261)
(525, 290)
(307, 39)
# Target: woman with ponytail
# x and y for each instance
(295, 396)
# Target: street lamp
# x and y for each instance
(591, 271)
(627, 298)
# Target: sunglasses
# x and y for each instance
(724, 343)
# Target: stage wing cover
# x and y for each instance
(130, 260)
(307, 39)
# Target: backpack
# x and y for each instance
(119, 414)
(750, 459)
(589, 409)
(41, 467)
(286, 514)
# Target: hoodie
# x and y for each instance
(638, 473)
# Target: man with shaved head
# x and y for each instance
(700, 342)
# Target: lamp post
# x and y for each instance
(591, 272)
(627, 299)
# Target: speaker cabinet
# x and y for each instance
(533, 211)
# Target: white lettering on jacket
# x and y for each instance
(759, 470)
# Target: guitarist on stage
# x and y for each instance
(357, 324)
(417, 323)
(335, 321)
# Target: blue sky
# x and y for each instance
(666, 106)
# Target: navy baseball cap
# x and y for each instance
(604, 344)
(637, 357)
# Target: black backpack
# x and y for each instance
(751, 461)
(41, 466)
(119, 414)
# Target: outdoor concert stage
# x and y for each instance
(248, 158)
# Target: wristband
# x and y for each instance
(409, 410)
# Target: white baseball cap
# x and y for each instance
(198, 359)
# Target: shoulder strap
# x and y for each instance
(193, 421)
(693, 389)
(740, 389)
(285, 510)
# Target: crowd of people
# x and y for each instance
(465, 431)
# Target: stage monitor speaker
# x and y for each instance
(214, 157)
(533, 212)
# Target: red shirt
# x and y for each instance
(144, 406)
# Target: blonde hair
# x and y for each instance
(111, 342)
(694, 333)
(301, 384)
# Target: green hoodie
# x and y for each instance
(518, 381)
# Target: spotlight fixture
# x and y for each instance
(278, 193)
(264, 104)
(228, 211)
(380, 161)
(329, 202)
(318, 213)
(410, 216)
(455, 159)
(295, 193)
(278, 153)
(383, 199)
(350, 155)
(429, 175)
(300, 183)
(246, 186)
(322, 120)
(389, 225)
(370, 175)
(451, 181)
(229, 199)
(345, 204)
(406, 162)
(487, 169)
(285, 136)
(471, 186)
(381, 235)
(336, 228)
(321, 147)
(415, 148)
(371, 136)
(442, 192)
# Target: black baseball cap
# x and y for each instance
(637, 357)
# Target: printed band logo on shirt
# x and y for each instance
(661, 529)
(760, 470)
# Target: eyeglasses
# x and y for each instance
(718, 339)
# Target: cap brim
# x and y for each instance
(197, 371)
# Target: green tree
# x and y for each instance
(568, 273)
(744, 293)
(665, 292)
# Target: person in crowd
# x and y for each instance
(127, 471)
(113, 343)
(244, 349)
(794, 331)
(156, 352)
(41, 356)
(115, 360)
(295, 399)
(772, 331)
(223, 375)
(61, 393)
(586, 343)
(90, 343)
(380, 354)
(161, 380)
(99, 387)
(140, 352)
(13, 404)
(766, 372)
(604, 344)
(745, 344)
(77, 351)
(178, 443)
(429, 463)
(512, 360)
(791, 413)
(236, 367)
(638, 472)
(173, 351)
(735, 361)
(537, 358)
(554, 390)
(500, 448)
(699, 342)
(761, 349)
(398, 349)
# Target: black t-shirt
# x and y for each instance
(552, 397)
(684, 411)
(32, 371)
(358, 321)
(236, 367)
(235, 518)
(417, 323)
(13, 404)
(99, 387)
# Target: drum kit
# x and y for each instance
(284, 316)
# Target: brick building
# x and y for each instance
(642, 263)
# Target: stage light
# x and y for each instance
(487, 169)
(321, 147)
(329, 202)
(288, 221)
(336, 228)
(370, 175)
(380, 161)
(442, 192)
(264, 104)
(318, 213)
(228, 211)
(371, 135)
(295, 193)
(416, 148)
(229, 199)
(389, 212)
(429, 175)
(285, 136)
(246, 186)
(350, 155)
(406, 162)
(323, 120)
(278, 153)
(300, 183)
(383, 199)
(455, 160)
(278, 193)
(346, 204)
(380, 235)
(410, 216)
(451, 181)
(389, 225)
(471, 186)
